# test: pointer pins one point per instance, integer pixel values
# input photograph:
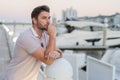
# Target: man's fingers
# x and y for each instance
(53, 55)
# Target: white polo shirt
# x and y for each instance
(23, 66)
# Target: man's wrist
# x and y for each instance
(60, 52)
(52, 37)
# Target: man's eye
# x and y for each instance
(43, 17)
(49, 18)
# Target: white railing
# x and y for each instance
(12, 31)
(9, 36)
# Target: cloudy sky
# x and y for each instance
(20, 10)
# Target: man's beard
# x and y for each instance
(39, 26)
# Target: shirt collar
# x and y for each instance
(34, 32)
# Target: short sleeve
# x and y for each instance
(29, 43)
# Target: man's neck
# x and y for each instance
(39, 32)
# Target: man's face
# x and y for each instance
(43, 20)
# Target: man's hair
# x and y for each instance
(36, 11)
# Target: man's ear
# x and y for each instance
(34, 20)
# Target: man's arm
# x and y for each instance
(50, 47)
(40, 53)
(52, 40)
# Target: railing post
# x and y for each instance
(105, 31)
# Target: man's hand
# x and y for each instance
(53, 55)
(51, 31)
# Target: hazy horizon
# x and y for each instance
(20, 10)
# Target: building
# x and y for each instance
(69, 13)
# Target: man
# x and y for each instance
(34, 46)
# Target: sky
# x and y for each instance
(20, 10)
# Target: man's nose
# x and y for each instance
(48, 21)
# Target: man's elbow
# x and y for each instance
(48, 62)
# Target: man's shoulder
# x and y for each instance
(25, 34)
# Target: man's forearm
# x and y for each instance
(51, 45)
